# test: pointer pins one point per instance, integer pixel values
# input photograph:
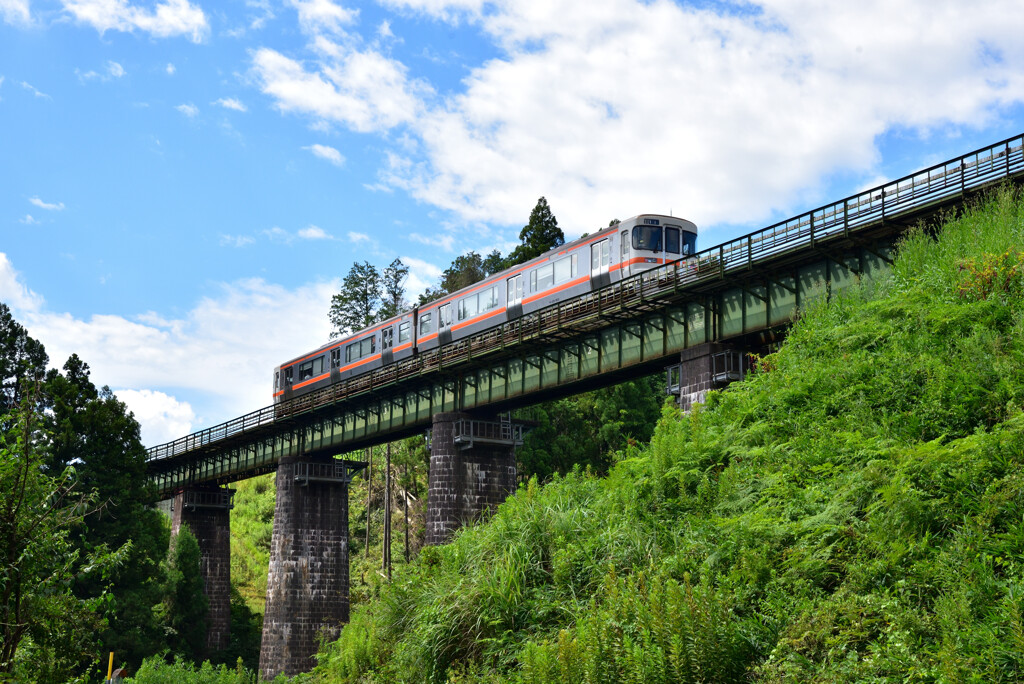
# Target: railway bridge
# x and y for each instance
(698, 317)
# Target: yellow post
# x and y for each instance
(110, 666)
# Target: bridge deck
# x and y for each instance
(751, 283)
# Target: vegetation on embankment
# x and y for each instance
(854, 511)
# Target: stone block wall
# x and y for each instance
(307, 583)
(464, 482)
(211, 527)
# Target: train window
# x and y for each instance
(515, 289)
(672, 239)
(489, 299)
(468, 307)
(426, 324)
(600, 257)
(689, 243)
(478, 303)
(335, 357)
(624, 246)
(277, 380)
(387, 337)
(361, 349)
(444, 316)
(565, 268)
(647, 238)
(288, 375)
(542, 278)
(305, 371)
(404, 331)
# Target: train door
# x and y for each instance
(387, 341)
(600, 262)
(444, 323)
(624, 253)
(514, 296)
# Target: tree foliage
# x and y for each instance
(393, 290)
(359, 301)
(185, 607)
(539, 235)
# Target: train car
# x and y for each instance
(632, 246)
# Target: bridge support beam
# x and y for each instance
(703, 368)
(307, 584)
(205, 510)
(472, 470)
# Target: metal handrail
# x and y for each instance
(920, 189)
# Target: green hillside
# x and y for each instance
(853, 512)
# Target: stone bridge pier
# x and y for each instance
(706, 367)
(307, 583)
(206, 512)
(472, 470)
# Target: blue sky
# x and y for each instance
(184, 183)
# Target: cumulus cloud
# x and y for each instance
(236, 240)
(170, 69)
(323, 16)
(231, 103)
(638, 106)
(314, 233)
(59, 206)
(328, 153)
(167, 19)
(189, 110)
(15, 12)
(221, 352)
(29, 220)
(115, 70)
(162, 417)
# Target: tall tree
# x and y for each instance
(21, 358)
(464, 271)
(538, 236)
(38, 562)
(92, 430)
(185, 607)
(393, 284)
(356, 306)
(493, 262)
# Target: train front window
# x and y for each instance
(672, 239)
(689, 243)
(647, 238)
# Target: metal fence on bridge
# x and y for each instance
(914, 193)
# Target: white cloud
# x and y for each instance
(357, 238)
(170, 18)
(13, 292)
(31, 88)
(115, 70)
(323, 16)
(162, 417)
(29, 220)
(231, 103)
(325, 152)
(422, 275)
(236, 240)
(652, 106)
(312, 232)
(15, 12)
(443, 240)
(170, 69)
(362, 90)
(189, 110)
(156, 360)
(59, 206)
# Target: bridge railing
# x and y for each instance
(916, 191)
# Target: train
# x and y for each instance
(621, 250)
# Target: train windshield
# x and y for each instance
(647, 237)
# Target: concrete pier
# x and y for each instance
(472, 470)
(308, 579)
(206, 512)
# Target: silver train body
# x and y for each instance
(589, 263)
